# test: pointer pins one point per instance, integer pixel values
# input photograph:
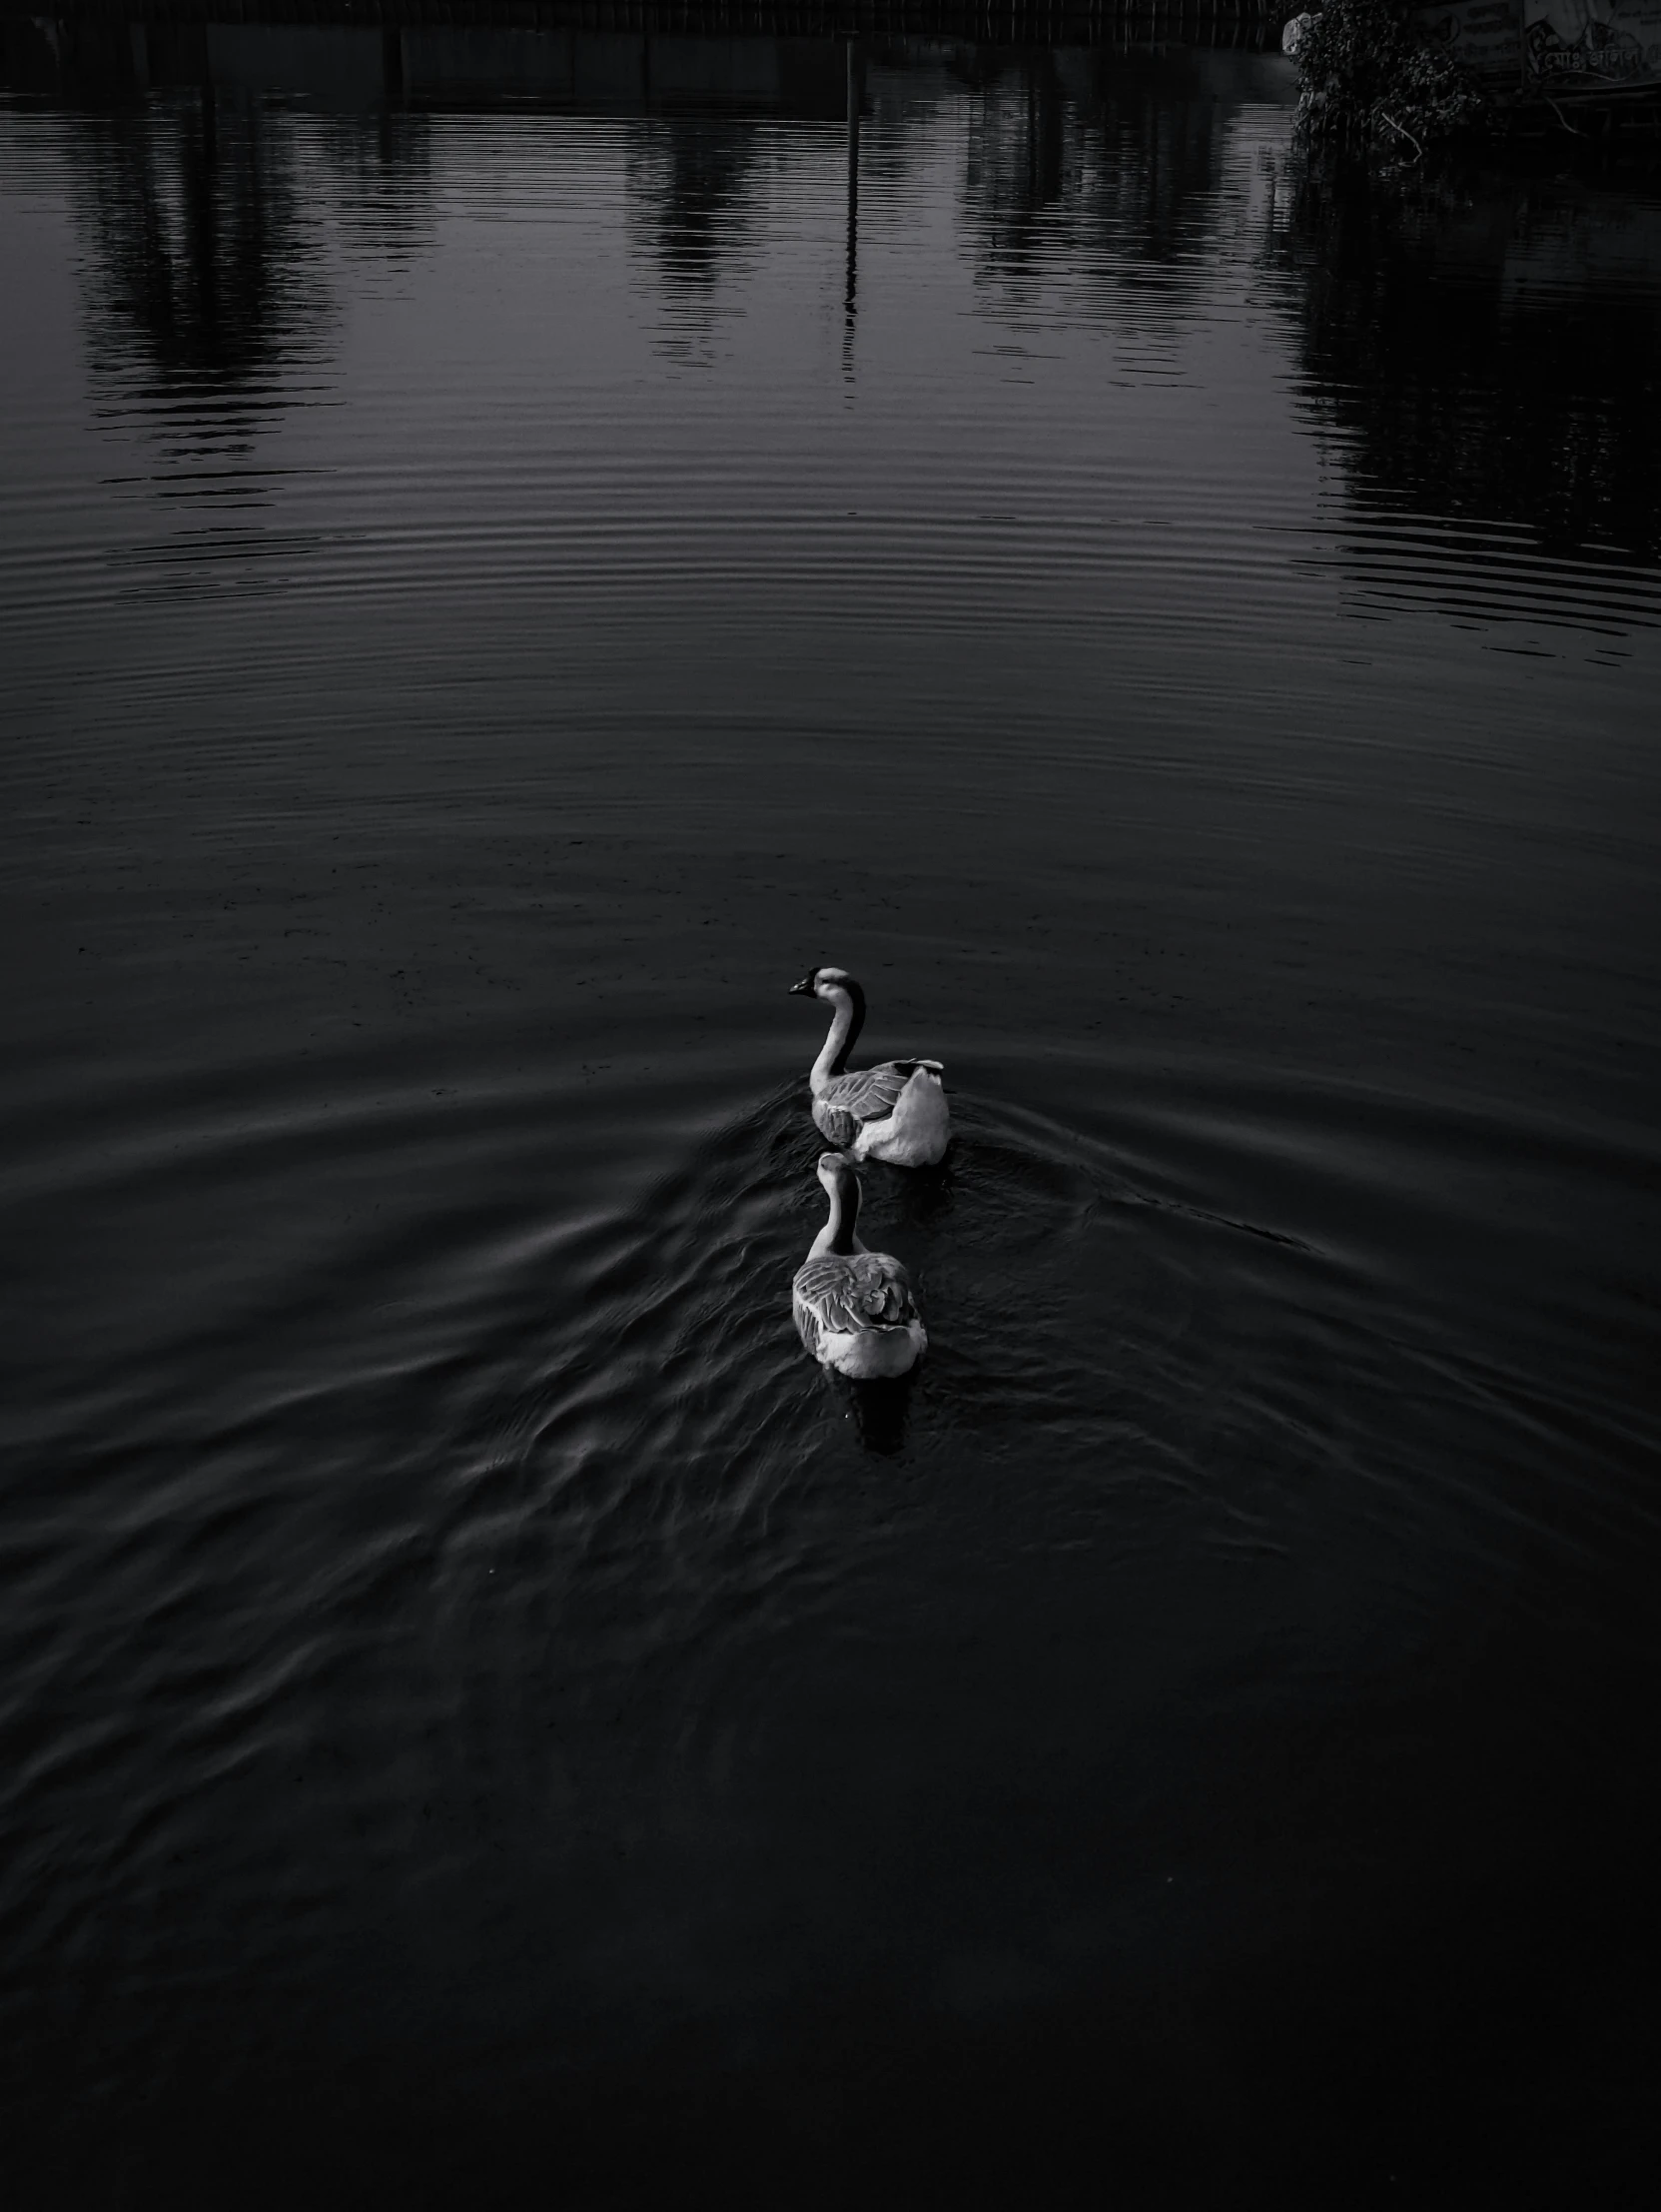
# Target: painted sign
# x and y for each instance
(1584, 44)
(1482, 34)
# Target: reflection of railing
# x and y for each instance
(641, 72)
(994, 22)
(349, 67)
(784, 61)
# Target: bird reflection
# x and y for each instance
(878, 1411)
(920, 1197)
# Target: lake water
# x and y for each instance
(513, 546)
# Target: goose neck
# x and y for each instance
(838, 1235)
(846, 1024)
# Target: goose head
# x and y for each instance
(836, 1172)
(823, 983)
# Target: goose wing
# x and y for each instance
(869, 1094)
(838, 1293)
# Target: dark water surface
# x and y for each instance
(511, 549)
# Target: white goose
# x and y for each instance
(895, 1112)
(854, 1308)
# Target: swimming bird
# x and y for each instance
(895, 1112)
(854, 1308)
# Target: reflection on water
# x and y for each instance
(1083, 165)
(1481, 347)
(520, 534)
(1489, 348)
(203, 284)
(692, 183)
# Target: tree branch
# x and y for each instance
(1418, 150)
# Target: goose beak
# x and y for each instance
(803, 989)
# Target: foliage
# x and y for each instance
(1373, 79)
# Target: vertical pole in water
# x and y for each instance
(850, 275)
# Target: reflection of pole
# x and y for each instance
(391, 90)
(850, 278)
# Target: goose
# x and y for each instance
(895, 1112)
(854, 1309)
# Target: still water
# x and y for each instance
(511, 546)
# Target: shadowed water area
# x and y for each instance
(514, 544)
